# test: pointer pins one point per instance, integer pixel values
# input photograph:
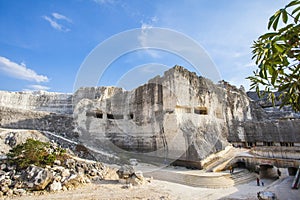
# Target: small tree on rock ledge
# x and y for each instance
(277, 55)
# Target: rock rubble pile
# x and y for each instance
(61, 176)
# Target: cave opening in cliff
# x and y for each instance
(286, 144)
(269, 144)
(183, 109)
(131, 116)
(111, 116)
(99, 115)
(201, 111)
(251, 144)
(94, 114)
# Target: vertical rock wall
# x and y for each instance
(176, 116)
(179, 115)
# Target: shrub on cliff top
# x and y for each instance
(34, 152)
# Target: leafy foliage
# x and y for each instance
(277, 55)
(34, 152)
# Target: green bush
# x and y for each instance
(34, 152)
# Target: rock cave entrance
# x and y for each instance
(112, 116)
(200, 110)
(292, 171)
(240, 164)
(267, 171)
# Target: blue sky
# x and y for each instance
(44, 43)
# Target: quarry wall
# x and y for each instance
(38, 101)
(178, 115)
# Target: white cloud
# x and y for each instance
(143, 37)
(58, 26)
(20, 71)
(145, 26)
(154, 19)
(37, 87)
(226, 30)
(62, 17)
(53, 23)
(104, 1)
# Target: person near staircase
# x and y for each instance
(257, 181)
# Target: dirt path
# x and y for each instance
(105, 190)
(161, 190)
(157, 190)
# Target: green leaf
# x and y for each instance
(271, 20)
(283, 87)
(268, 35)
(257, 91)
(296, 10)
(271, 70)
(275, 24)
(284, 16)
(292, 3)
(296, 20)
(274, 77)
(285, 28)
(279, 48)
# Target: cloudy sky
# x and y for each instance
(44, 44)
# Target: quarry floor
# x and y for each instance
(162, 190)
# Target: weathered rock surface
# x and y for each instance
(273, 112)
(37, 178)
(38, 101)
(55, 186)
(64, 177)
(178, 115)
(125, 171)
(37, 120)
(11, 138)
(128, 175)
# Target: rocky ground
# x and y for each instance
(62, 176)
(161, 190)
(75, 178)
(52, 169)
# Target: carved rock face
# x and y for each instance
(176, 116)
(179, 115)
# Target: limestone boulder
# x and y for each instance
(128, 175)
(55, 186)
(74, 181)
(125, 171)
(37, 178)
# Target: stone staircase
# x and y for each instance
(199, 178)
(195, 180)
(243, 176)
(221, 163)
(217, 161)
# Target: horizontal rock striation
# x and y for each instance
(37, 120)
(38, 101)
(177, 116)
